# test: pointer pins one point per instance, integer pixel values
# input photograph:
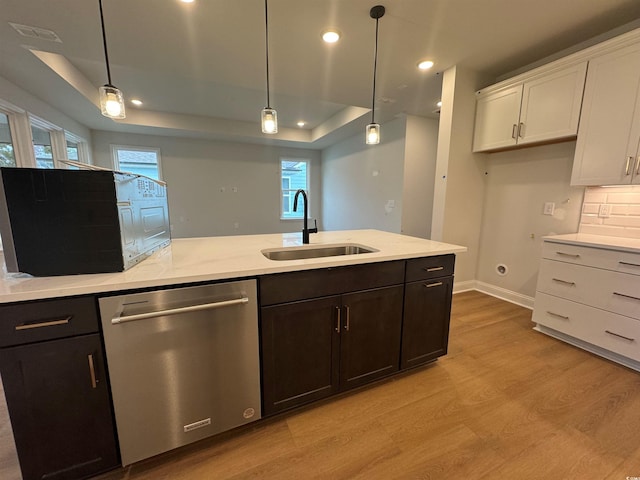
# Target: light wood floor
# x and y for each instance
(506, 402)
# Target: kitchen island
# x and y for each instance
(327, 325)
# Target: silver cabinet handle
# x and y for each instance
(572, 255)
(339, 321)
(347, 325)
(521, 130)
(175, 311)
(629, 264)
(49, 323)
(564, 282)
(429, 285)
(620, 336)
(92, 372)
(638, 165)
(433, 269)
(626, 296)
(553, 314)
(626, 169)
(514, 131)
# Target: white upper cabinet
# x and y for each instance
(542, 108)
(607, 150)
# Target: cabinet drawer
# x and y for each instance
(607, 330)
(626, 262)
(306, 284)
(36, 321)
(430, 267)
(608, 290)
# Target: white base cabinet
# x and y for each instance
(590, 297)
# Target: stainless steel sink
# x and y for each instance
(298, 253)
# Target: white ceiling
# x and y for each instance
(200, 67)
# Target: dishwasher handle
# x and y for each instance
(174, 311)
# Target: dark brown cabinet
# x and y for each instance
(56, 389)
(427, 308)
(314, 348)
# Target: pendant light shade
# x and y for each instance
(269, 117)
(372, 132)
(111, 98)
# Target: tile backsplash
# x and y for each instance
(613, 211)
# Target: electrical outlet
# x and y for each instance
(549, 208)
(604, 211)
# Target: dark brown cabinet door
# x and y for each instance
(59, 406)
(427, 308)
(300, 352)
(370, 335)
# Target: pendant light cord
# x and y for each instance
(375, 69)
(104, 41)
(266, 42)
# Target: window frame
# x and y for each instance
(290, 191)
(116, 162)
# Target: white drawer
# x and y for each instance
(606, 330)
(615, 260)
(612, 291)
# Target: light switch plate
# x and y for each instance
(549, 208)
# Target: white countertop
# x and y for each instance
(189, 260)
(597, 241)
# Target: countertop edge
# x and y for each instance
(26, 288)
(631, 245)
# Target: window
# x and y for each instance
(139, 160)
(42, 147)
(293, 176)
(7, 155)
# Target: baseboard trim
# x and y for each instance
(498, 292)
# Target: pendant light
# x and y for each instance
(269, 117)
(111, 99)
(372, 132)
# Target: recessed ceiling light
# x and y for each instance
(425, 65)
(301, 124)
(439, 104)
(136, 102)
(330, 36)
(187, 1)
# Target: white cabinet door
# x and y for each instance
(497, 116)
(551, 105)
(609, 132)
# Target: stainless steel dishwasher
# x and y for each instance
(183, 364)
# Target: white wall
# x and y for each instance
(421, 144)
(459, 184)
(24, 100)
(359, 181)
(197, 170)
(517, 185)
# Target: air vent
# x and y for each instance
(35, 32)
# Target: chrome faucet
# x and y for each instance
(305, 230)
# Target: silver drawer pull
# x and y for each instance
(620, 336)
(572, 255)
(626, 296)
(564, 282)
(429, 285)
(92, 372)
(434, 269)
(339, 320)
(553, 314)
(626, 169)
(50, 323)
(175, 311)
(629, 264)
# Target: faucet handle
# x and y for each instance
(315, 228)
